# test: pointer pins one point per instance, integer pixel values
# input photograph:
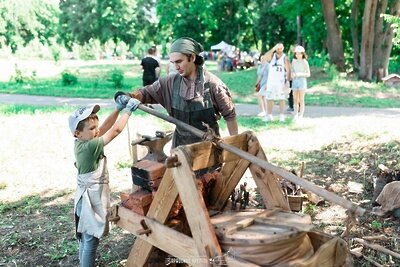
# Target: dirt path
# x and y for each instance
(242, 109)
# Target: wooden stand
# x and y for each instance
(202, 248)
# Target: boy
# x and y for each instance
(92, 197)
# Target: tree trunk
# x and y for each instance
(383, 39)
(299, 38)
(334, 37)
(354, 34)
(367, 40)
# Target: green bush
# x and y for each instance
(68, 78)
(116, 77)
(20, 76)
(394, 64)
(333, 73)
(318, 60)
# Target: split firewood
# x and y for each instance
(375, 237)
(314, 198)
(377, 247)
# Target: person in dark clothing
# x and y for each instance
(290, 99)
(290, 109)
(151, 67)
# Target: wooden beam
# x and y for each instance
(240, 141)
(232, 172)
(267, 184)
(195, 209)
(161, 236)
(159, 209)
(206, 154)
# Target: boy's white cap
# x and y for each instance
(299, 49)
(80, 114)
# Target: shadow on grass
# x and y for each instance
(39, 231)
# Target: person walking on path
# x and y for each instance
(92, 196)
(151, 67)
(261, 84)
(278, 80)
(193, 95)
(300, 71)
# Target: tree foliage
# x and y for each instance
(22, 21)
(247, 24)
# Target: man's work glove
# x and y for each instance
(132, 105)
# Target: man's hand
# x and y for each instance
(132, 105)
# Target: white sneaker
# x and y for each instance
(268, 118)
(282, 118)
(261, 114)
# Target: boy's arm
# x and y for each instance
(119, 126)
(109, 122)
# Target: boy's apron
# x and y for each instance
(94, 192)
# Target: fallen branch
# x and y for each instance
(372, 261)
(377, 247)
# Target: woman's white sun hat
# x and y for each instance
(299, 49)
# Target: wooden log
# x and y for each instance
(377, 247)
(314, 198)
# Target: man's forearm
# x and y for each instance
(232, 127)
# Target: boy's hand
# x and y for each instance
(132, 105)
(121, 101)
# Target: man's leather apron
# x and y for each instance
(194, 112)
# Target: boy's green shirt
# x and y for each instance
(87, 154)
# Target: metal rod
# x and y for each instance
(263, 164)
(170, 119)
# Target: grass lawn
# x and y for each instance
(95, 79)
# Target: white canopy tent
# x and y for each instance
(225, 47)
